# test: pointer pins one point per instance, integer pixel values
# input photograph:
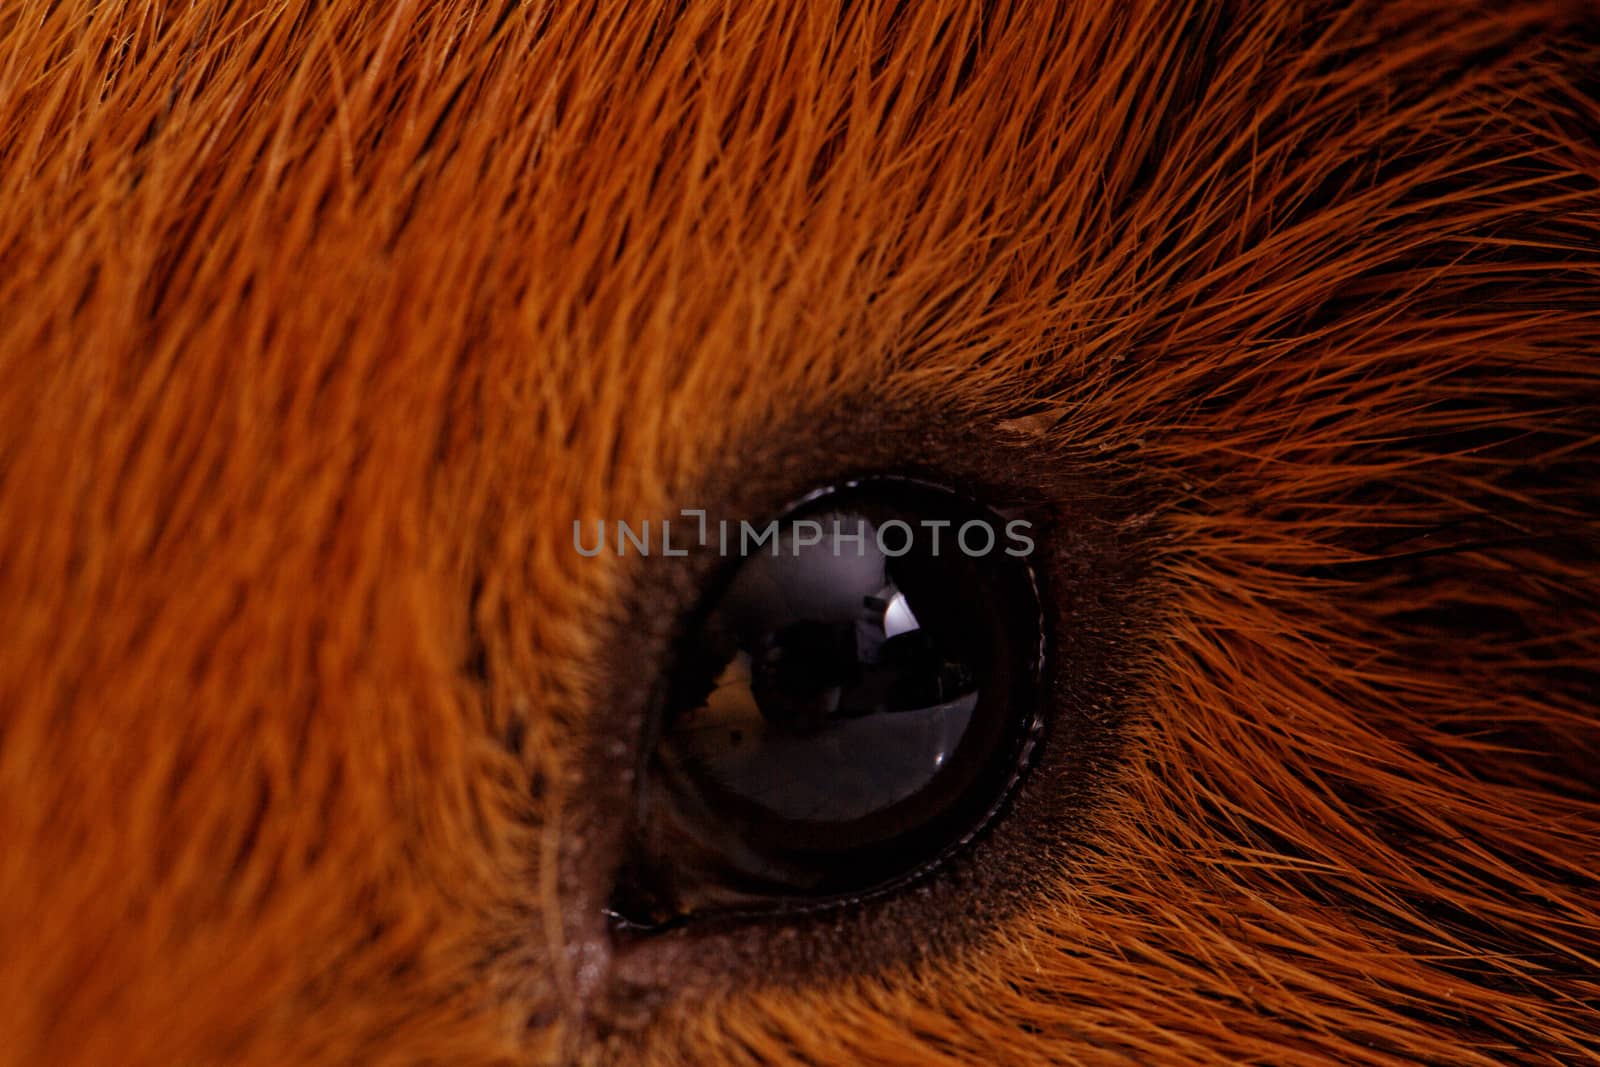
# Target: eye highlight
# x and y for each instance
(852, 701)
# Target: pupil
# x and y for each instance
(836, 702)
(846, 707)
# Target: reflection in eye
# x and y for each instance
(841, 713)
(845, 710)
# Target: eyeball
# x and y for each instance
(852, 702)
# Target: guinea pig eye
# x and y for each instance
(852, 702)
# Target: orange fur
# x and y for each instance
(320, 322)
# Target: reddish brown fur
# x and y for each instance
(319, 323)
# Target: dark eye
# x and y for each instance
(852, 702)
